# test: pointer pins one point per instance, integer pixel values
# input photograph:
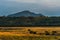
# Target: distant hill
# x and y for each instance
(25, 13)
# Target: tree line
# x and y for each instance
(29, 21)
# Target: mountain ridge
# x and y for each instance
(25, 13)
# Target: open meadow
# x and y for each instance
(29, 33)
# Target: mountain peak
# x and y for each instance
(25, 13)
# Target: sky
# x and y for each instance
(45, 7)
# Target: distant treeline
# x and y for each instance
(29, 21)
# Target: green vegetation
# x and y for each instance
(29, 21)
(29, 38)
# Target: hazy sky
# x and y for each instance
(45, 7)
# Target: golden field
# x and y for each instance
(22, 33)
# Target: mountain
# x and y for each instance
(25, 13)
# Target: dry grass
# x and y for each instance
(22, 33)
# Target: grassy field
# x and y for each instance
(22, 33)
(29, 38)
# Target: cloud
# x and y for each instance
(24, 1)
(48, 3)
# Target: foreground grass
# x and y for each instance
(23, 33)
(2, 37)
